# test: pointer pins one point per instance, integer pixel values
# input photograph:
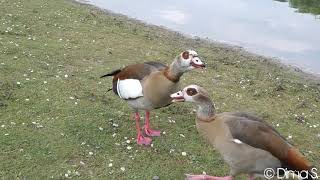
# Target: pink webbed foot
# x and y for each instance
(151, 132)
(147, 129)
(207, 177)
(141, 140)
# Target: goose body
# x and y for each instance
(147, 86)
(247, 143)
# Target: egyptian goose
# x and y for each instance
(148, 86)
(247, 143)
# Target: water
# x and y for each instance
(289, 31)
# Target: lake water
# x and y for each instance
(289, 31)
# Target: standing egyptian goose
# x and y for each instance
(148, 86)
(247, 143)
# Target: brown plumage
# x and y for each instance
(246, 142)
(135, 71)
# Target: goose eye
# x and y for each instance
(191, 91)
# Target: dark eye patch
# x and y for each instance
(191, 91)
(185, 55)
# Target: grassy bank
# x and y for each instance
(57, 121)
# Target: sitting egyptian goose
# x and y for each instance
(148, 86)
(247, 143)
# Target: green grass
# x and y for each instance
(58, 49)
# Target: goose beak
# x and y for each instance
(196, 62)
(202, 65)
(177, 97)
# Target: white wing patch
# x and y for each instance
(237, 141)
(129, 88)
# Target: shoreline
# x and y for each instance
(310, 76)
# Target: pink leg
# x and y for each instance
(250, 177)
(147, 129)
(207, 177)
(141, 140)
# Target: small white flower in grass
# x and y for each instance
(114, 135)
(128, 141)
(27, 79)
(204, 173)
(99, 82)
(48, 99)
(18, 83)
(123, 168)
(77, 173)
(90, 153)
(183, 153)
(110, 165)
(182, 135)
(27, 99)
(12, 123)
(115, 125)
(82, 163)
(15, 57)
(66, 175)
(125, 137)
(129, 147)
(75, 103)
(3, 126)
(45, 82)
(100, 128)
(117, 144)
(2, 63)
(6, 134)
(289, 137)
(237, 141)
(66, 75)
(71, 97)
(163, 132)
(277, 125)
(151, 145)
